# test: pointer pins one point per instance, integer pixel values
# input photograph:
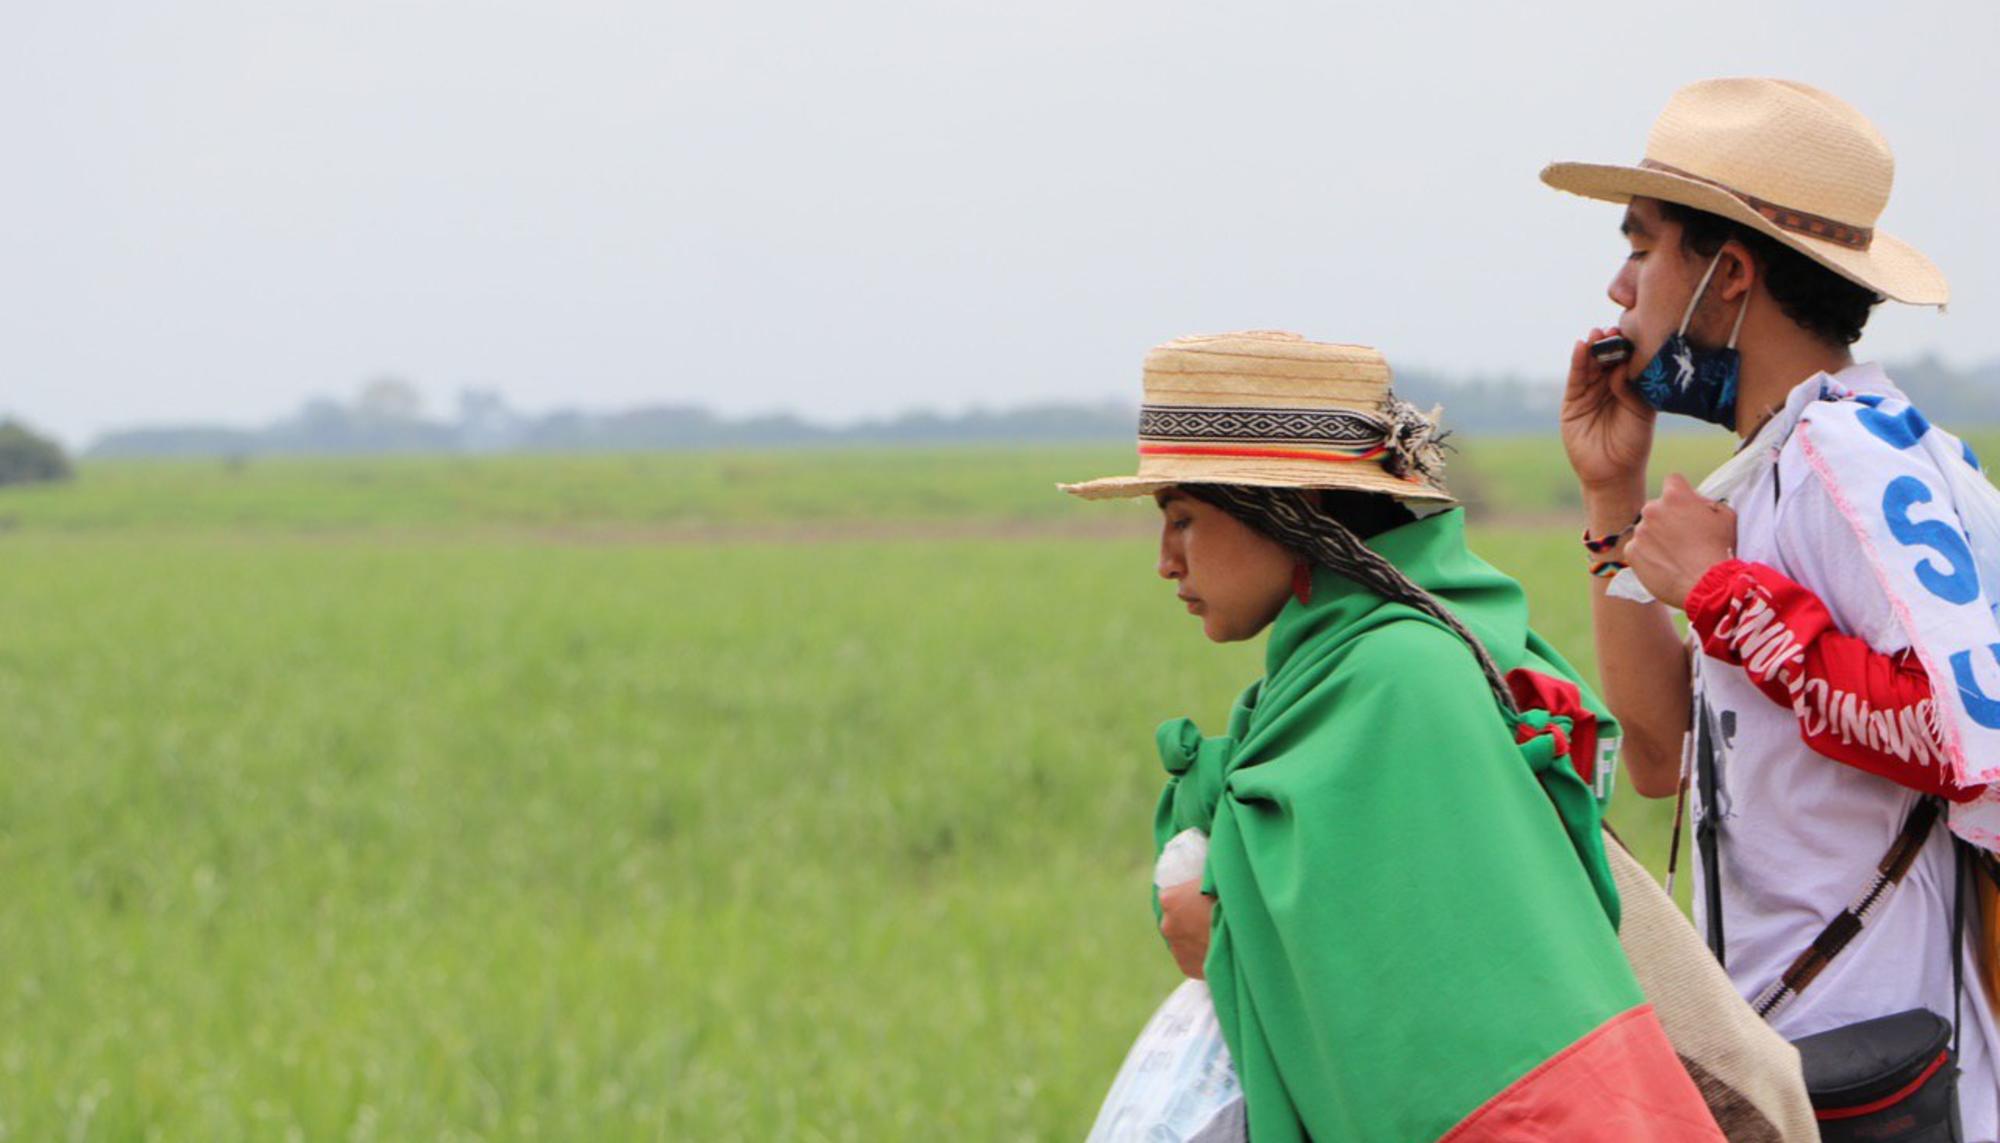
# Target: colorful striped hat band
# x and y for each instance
(1270, 409)
(1404, 440)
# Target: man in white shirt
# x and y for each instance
(1754, 263)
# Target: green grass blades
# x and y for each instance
(763, 841)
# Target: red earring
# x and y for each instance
(1302, 582)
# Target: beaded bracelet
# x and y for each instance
(1607, 542)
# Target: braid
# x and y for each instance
(1292, 517)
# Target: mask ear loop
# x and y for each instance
(1738, 327)
(1688, 314)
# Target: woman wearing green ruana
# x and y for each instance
(1406, 920)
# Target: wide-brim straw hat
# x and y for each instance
(1784, 159)
(1274, 410)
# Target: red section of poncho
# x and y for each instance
(1622, 1081)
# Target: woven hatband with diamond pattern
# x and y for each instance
(1347, 430)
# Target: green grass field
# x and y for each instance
(668, 797)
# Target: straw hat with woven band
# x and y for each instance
(1782, 158)
(1275, 410)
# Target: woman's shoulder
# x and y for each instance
(1399, 635)
(1398, 652)
(1407, 688)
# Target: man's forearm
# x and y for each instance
(1641, 662)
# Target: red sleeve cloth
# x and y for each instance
(1869, 709)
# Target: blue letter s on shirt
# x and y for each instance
(1961, 583)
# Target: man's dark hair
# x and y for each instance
(1820, 301)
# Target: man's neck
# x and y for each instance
(1773, 369)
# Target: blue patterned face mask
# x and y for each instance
(1694, 382)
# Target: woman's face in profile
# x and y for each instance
(1230, 575)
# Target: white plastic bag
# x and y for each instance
(1177, 1084)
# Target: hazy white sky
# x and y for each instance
(215, 208)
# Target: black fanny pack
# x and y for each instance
(1893, 1077)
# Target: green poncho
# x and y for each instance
(1405, 934)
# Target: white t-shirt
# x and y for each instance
(1800, 834)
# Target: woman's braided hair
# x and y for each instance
(1295, 518)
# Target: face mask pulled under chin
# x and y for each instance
(1685, 379)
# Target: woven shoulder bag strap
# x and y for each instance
(1844, 928)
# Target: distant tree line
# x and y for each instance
(27, 457)
(387, 416)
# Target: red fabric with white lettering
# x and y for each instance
(1869, 709)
